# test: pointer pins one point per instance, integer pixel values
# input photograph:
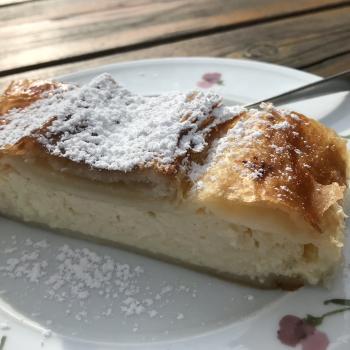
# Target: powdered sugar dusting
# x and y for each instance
(281, 125)
(269, 107)
(252, 147)
(107, 127)
(20, 124)
(245, 133)
(225, 112)
(73, 275)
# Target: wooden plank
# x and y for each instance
(297, 42)
(333, 65)
(36, 33)
(13, 2)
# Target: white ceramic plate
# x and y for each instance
(189, 310)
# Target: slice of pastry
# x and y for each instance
(251, 195)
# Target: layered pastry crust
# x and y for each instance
(246, 194)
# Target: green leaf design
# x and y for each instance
(313, 320)
(345, 302)
(317, 320)
(2, 342)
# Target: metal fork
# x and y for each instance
(336, 83)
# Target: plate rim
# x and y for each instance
(193, 59)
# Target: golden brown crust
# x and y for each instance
(22, 93)
(293, 164)
(318, 162)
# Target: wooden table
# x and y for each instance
(46, 38)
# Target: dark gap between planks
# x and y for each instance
(309, 65)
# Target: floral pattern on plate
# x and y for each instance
(210, 79)
(294, 330)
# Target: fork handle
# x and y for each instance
(335, 83)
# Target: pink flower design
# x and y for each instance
(315, 341)
(210, 79)
(294, 330)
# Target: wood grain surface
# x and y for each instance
(48, 38)
(46, 33)
(318, 42)
(333, 65)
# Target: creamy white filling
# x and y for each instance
(174, 230)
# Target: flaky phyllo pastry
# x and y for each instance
(251, 195)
